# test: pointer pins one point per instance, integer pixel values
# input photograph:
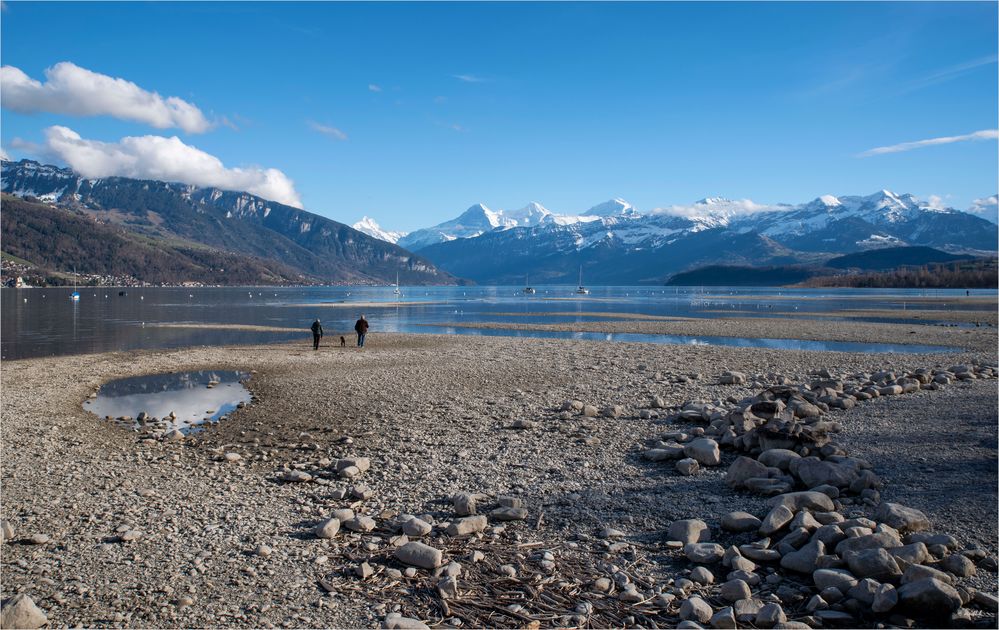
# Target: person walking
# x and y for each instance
(317, 334)
(361, 328)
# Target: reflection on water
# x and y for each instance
(737, 342)
(182, 400)
(45, 322)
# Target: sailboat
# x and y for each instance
(528, 289)
(397, 291)
(75, 295)
(582, 290)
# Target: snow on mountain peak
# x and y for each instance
(614, 207)
(369, 226)
(830, 200)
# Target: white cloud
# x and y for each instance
(987, 208)
(75, 91)
(985, 134)
(166, 159)
(326, 130)
(374, 88)
(469, 78)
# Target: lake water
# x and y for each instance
(45, 322)
(182, 400)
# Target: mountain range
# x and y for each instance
(295, 245)
(616, 244)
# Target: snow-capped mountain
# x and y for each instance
(625, 246)
(612, 208)
(318, 248)
(369, 226)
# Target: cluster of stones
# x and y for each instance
(829, 550)
(411, 537)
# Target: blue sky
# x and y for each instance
(412, 112)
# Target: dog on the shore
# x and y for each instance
(343, 342)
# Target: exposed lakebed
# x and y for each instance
(183, 401)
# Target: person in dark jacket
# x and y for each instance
(361, 328)
(317, 334)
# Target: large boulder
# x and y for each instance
(807, 500)
(689, 530)
(928, 598)
(904, 519)
(21, 612)
(744, 468)
(704, 450)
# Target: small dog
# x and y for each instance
(343, 342)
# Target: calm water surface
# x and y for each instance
(193, 398)
(45, 322)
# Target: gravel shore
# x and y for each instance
(211, 531)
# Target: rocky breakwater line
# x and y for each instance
(830, 551)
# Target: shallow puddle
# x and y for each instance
(182, 400)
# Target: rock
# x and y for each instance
(775, 520)
(232, 457)
(695, 609)
(662, 454)
(467, 525)
(361, 492)
(959, 565)
(807, 500)
(724, 618)
(328, 528)
(296, 476)
(363, 571)
(464, 504)
(770, 615)
(872, 563)
(590, 411)
(885, 598)
(703, 553)
(734, 590)
(21, 612)
(747, 609)
(740, 522)
(689, 530)
(988, 601)
(770, 486)
(882, 540)
(420, 555)
(509, 514)
(360, 524)
(610, 533)
(688, 467)
(417, 528)
(916, 572)
(343, 514)
(913, 553)
(614, 411)
(6, 531)
(902, 518)
(732, 378)
(263, 551)
(395, 621)
(602, 585)
(630, 595)
(39, 539)
(448, 587)
(816, 472)
(778, 458)
(744, 468)
(704, 450)
(702, 576)
(523, 424)
(839, 579)
(804, 560)
(928, 597)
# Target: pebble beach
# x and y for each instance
(448, 481)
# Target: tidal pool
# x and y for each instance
(181, 400)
